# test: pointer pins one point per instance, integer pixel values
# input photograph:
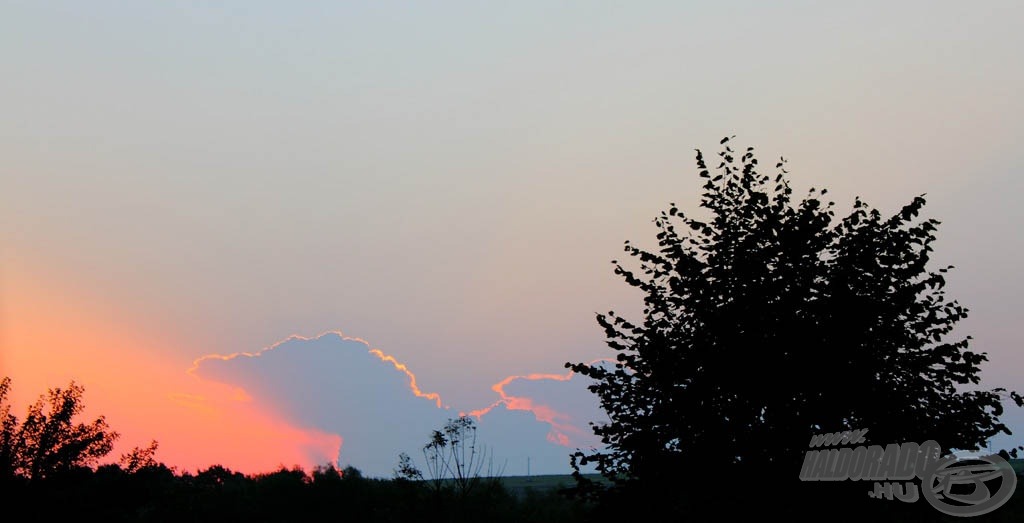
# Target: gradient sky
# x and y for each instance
(447, 181)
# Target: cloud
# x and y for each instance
(552, 412)
(340, 385)
(560, 400)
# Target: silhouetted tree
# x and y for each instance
(350, 473)
(8, 431)
(139, 458)
(407, 470)
(769, 321)
(48, 440)
(326, 474)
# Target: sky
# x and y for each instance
(212, 214)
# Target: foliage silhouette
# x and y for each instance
(407, 470)
(139, 458)
(49, 441)
(765, 323)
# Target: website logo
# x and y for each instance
(954, 485)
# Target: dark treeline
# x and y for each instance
(157, 493)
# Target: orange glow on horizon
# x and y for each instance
(54, 336)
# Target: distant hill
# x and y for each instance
(520, 484)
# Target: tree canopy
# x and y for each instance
(771, 320)
(49, 440)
